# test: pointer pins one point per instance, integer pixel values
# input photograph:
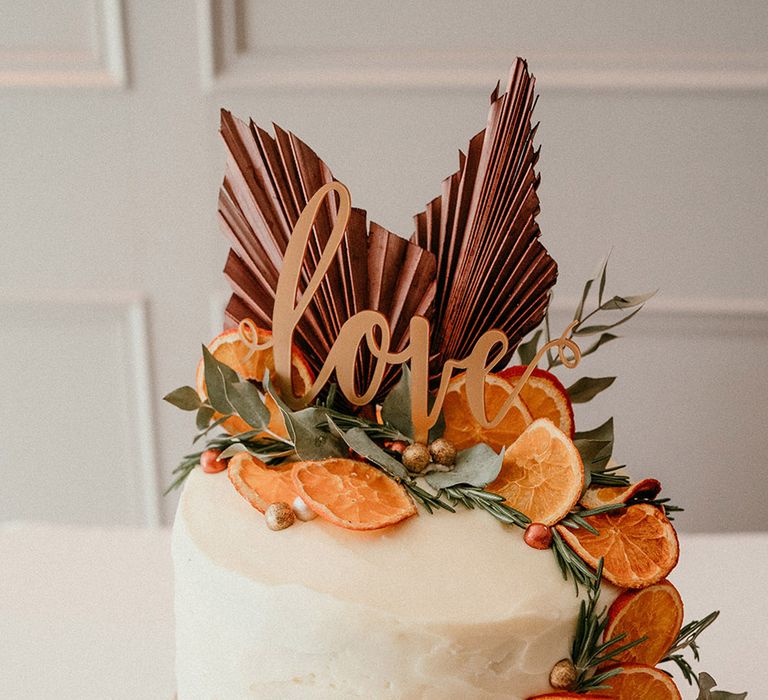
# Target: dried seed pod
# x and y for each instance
(279, 515)
(563, 675)
(443, 452)
(416, 457)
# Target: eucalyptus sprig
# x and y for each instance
(621, 303)
(629, 305)
(588, 650)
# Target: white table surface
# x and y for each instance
(88, 613)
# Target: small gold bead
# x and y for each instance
(563, 675)
(416, 457)
(279, 516)
(443, 452)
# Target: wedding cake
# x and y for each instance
(392, 496)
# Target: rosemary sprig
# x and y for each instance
(576, 518)
(688, 639)
(376, 431)
(270, 450)
(663, 503)
(608, 477)
(571, 565)
(429, 501)
(472, 497)
(588, 651)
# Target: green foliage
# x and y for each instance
(476, 466)
(588, 651)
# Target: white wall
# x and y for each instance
(654, 143)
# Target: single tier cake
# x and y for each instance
(442, 606)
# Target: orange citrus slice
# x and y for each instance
(464, 431)
(638, 682)
(544, 397)
(655, 612)
(229, 348)
(351, 494)
(638, 544)
(566, 695)
(259, 484)
(542, 474)
(607, 495)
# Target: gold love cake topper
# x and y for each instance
(372, 328)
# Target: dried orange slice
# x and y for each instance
(655, 612)
(638, 682)
(566, 695)
(464, 431)
(352, 494)
(259, 484)
(638, 544)
(607, 495)
(544, 397)
(542, 474)
(229, 348)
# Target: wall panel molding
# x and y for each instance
(103, 65)
(228, 63)
(131, 310)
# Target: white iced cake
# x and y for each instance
(440, 606)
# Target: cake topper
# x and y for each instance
(461, 295)
(373, 327)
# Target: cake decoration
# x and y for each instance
(364, 380)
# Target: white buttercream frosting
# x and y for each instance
(440, 606)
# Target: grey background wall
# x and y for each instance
(653, 127)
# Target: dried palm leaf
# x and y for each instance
(492, 270)
(267, 183)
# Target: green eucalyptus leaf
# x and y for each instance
(246, 400)
(185, 398)
(602, 340)
(627, 302)
(587, 287)
(359, 441)
(586, 388)
(215, 382)
(527, 350)
(207, 429)
(603, 277)
(232, 450)
(602, 432)
(596, 446)
(309, 439)
(305, 427)
(204, 415)
(600, 328)
(396, 409)
(593, 452)
(706, 690)
(477, 466)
